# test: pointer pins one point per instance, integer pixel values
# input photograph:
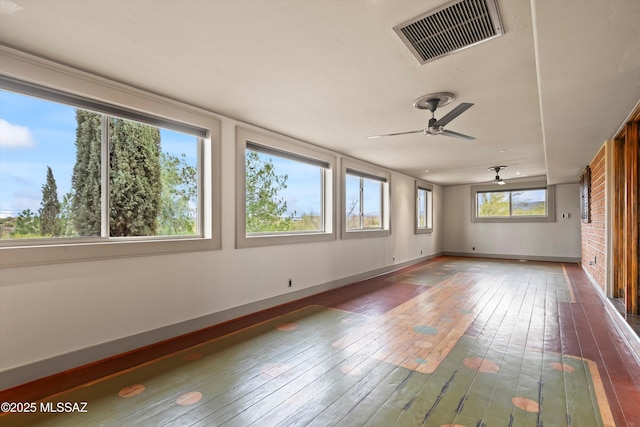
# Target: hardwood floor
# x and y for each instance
(448, 342)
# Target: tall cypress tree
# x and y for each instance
(50, 207)
(134, 177)
(135, 186)
(85, 181)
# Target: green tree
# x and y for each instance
(134, 176)
(265, 209)
(493, 204)
(66, 216)
(85, 181)
(179, 196)
(27, 225)
(50, 207)
(135, 186)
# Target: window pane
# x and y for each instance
(495, 204)
(429, 209)
(283, 195)
(178, 214)
(372, 203)
(528, 202)
(37, 163)
(422, 208)
(153, 182)
(352, 202)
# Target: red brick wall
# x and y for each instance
(594, 233)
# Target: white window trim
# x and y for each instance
(295, 147)
(511, 186)
(368, 169)
(30, 69)
(429, 187)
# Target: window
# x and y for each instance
(514, 202)
(81, 175)
(585, 195)
(424, 208)
(366, 200)
(52, 188)
(286, 190)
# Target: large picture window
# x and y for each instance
(365, 200)
(79, 175)
(286, 190)
(517, 202)
(424, 208)
(59, 163)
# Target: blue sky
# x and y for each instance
(303, 192)
(35, 134)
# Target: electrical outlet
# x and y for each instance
(290, 283)
(394, 258)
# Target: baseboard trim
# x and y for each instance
(519, 257)
(628, 334)
(189, 332)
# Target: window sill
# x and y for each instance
(23, 256)
(424, 231)
(357, 234)
(284, 239)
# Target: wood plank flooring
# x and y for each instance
(448, 342)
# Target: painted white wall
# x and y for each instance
(536, 239)
(50, 310)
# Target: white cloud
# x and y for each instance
(14, 136)
(7, 7)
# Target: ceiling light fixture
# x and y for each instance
(497, 170)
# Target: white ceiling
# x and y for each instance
(547, 94)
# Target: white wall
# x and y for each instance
(50, 310)
(559, 239)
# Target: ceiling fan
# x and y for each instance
(436, 126)
(497, 170)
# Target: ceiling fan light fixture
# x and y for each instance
(431, 101)
(497, 169)
(435, 126)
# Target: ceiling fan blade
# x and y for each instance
(453, 114)
(395, 134)
(456, 135)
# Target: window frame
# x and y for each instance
(510, 187)
(366, 170)
(585, 195)
(423, 185)
(291, 148)
(39, 73)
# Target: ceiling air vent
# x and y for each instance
(451, 27)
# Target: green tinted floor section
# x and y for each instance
(291, 371)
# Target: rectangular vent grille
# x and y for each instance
(450, 28)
